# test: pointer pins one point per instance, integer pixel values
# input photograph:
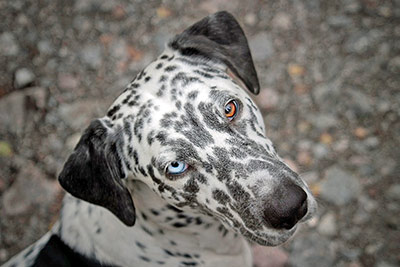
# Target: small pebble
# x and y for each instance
(23, 77)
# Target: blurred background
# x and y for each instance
(330, 78)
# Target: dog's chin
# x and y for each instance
(273, 238)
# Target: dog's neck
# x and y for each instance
(161, 229)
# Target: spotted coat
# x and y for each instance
(125, 208)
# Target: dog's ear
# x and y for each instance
(93, 172)
(219, 36)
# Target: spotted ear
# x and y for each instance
(93, 172)
(219, 36)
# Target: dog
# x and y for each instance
(179, 172)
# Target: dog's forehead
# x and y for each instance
(168, 83)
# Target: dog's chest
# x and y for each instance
(98, 234)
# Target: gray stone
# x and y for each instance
(339, 21)
(282, 21)
(90, 5)
(45, 47)
(393, 192)
(361, 216)
(8, 44)
(31, 189)
(320, 151)
(327, 225)
(23, 77)
(339, 187)
(371, 142)
(92, 56)
(67, 81)
(360, 103)
(311, 250)
(394, 64)
(12, 109)
(82, 24)
(250, 19)
(323, 121)
(79, 114)
(119, 49)
(327, 92)
(385, 264)
(12, 113)
(261, 46)
(351, 6)
(361, 42)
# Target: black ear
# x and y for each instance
(219, 36)
(94, 171)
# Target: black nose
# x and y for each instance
(286, 206)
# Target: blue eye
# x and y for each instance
(177, 167)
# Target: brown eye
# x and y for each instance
(231, 109)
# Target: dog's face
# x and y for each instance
(187, 128)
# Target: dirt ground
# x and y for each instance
(330, 78)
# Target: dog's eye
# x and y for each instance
(177, 167)
(231, 109)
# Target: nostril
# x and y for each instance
(303, 209)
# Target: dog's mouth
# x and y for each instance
(268, 239)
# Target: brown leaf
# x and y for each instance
(326, 139)
(296, 70)
(163, 12)
(360, 132)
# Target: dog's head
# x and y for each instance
(186, 127)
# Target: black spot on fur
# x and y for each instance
(169, 253)
(146, 230)
(183, 79)
(141, 74)
(179, 225)
(152, 175)
(142, 171)
(170, 68)
(154, 212)
(143, 258)
(112, 111)
(173, 208)
(221, 197)
(160, 91)
(163, 78)
(189, 263)
(193, 95)
(178, 105)
(191, 186)
(204, 74)
(140, 245)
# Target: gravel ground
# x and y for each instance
(330, 77)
